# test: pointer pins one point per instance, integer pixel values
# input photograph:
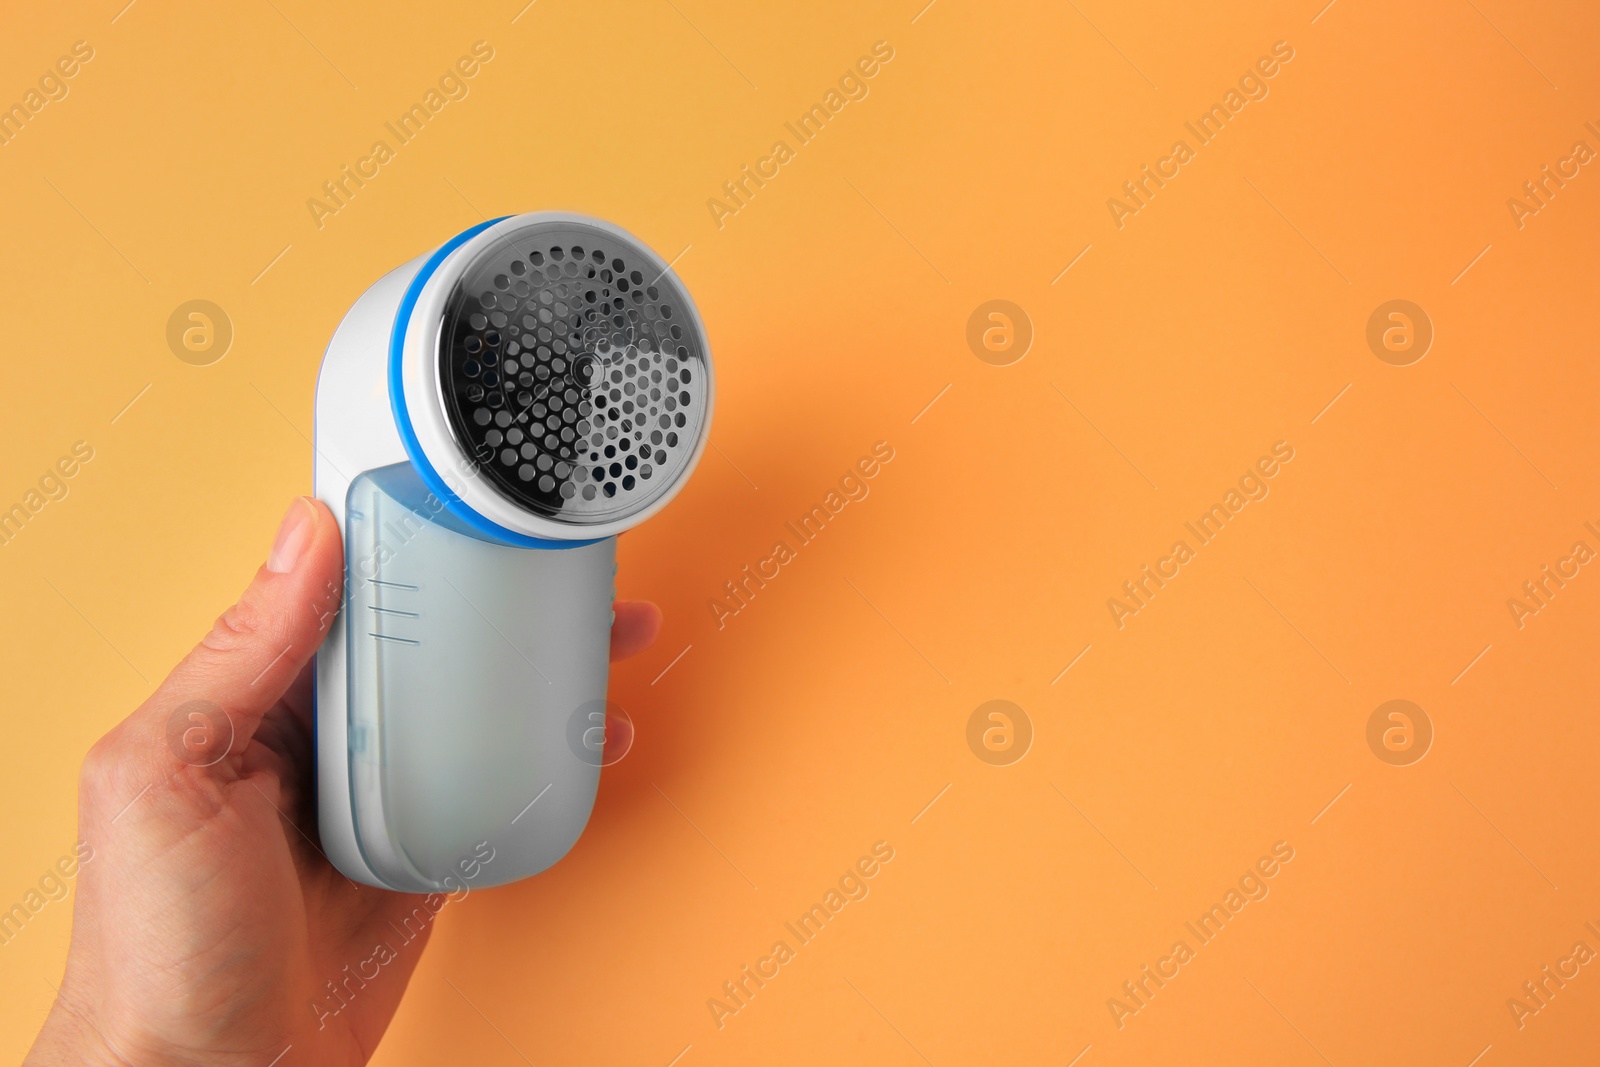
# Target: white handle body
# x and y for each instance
(442, 743)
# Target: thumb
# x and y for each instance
(213, 701)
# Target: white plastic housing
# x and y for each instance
(461, 691)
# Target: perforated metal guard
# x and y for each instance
(572, 372)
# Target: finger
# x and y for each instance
(637, 624)
(286, 730)
(256, 649)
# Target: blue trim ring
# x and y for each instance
(488, 530)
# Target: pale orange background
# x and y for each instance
(1223, 318)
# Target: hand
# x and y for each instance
(207, 919)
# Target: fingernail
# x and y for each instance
(293, 535)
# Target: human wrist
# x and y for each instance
(70, 1039)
